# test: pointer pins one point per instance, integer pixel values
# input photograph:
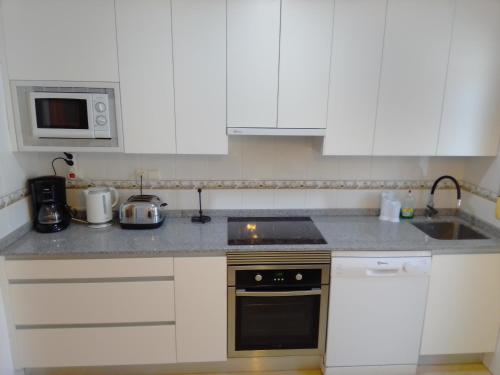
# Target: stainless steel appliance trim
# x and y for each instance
(312, 292)
(325, 270)
(278, 257)
(231, 345)
(91, 280)
(94, 325)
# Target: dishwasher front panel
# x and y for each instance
(377, 308)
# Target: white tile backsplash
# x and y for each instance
(257, 199)
(19, 213)
(289, 199)
(481, 208)
(321, 199)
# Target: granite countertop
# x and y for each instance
(179, 237)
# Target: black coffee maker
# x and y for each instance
(50, 209)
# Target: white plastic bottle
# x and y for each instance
(408, 206)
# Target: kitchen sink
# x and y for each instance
(449, 230)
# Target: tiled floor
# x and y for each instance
(422, 370)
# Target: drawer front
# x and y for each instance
(88, 268)
(87, 303)
(68, 347)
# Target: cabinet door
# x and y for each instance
(253, 34)
(98, 346)
(358, 38)
(471, 114)
(306, 35)
(66, 40)
(199, 49)
(417, 41)
(201, 309)
(463, 305)
(146, 75)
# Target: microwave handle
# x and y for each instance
(294, 293)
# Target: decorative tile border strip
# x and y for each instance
(19, 194)
(11, 198)
(479, 191)
(264, 184)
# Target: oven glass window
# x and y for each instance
(264, 323)
(61, 113)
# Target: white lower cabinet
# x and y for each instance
(106, 312)
(98, 346)
(201, 309)
(463, 306)
(91, 312)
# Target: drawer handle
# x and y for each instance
(93, 325)
(91, 280)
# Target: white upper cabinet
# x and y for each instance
(471, 114)
(66, 40)
(414, 67)
(146, 75)
(304, 73)
(358, 38)
(253, 29)
(199, 50)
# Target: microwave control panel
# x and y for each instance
(100, 104)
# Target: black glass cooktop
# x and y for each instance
(273, 231)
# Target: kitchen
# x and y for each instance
(284, 137)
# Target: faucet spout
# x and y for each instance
(430, 210)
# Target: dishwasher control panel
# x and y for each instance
(382, 266)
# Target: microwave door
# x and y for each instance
(62, 115)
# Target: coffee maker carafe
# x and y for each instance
(50, 209)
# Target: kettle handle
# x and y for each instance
(115, 196)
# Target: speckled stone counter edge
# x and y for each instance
(14, 236)
(445, 249)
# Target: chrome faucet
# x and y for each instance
(430, 211)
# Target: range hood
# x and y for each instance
(296, 132)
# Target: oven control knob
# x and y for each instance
(101, 120)
(258, 277)
(298, 277)
(100, 107)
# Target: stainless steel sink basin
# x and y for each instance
(449, 230)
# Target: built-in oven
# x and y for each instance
(277, 303)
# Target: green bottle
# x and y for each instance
(408, 206)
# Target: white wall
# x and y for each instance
(12, 178)
(262, 158)
(484, 172)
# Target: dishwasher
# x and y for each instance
(376, 314)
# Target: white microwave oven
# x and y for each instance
(70, 115)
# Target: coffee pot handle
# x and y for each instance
(115, 197)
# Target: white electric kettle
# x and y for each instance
(100, 202)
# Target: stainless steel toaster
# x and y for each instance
(142, 212)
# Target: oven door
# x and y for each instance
(62, 115)
(277, 323)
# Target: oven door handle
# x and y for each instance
(311, 292)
